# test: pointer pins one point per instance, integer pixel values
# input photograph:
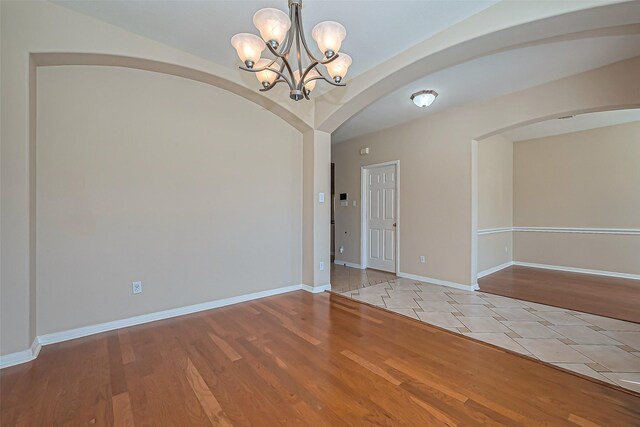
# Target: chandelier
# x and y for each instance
(284, 37)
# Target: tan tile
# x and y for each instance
(609, 324)
(597, 367)
(552, 350)
(483, 324)
(567, 341)
(542, 307)
(499, 339)
(457, 314)
(434, 296)
(626, 380)
(583, 369)
(515, 314)
(513, 335)
(611, 357)
(444, 320)
(532, 330)
(626, 348)
(463, 330)
(596, 328)
(405, 301)
(560, 318)
(405, 312)
(545, 323)
(583, 335)
(474, 310)
(503, 302)
(467, 299)
(370, 299)
(632, 339)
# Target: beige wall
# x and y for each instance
(434, 221)
(582, 179)
(316, 216)
(495, 201)
(144, 176)
(587, 179)
(435, 156)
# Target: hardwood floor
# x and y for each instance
(601, 295)
(299, 359)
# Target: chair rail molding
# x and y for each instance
(578, 230)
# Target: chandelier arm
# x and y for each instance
(333, 58)
(286, 45)
(321, 77)
(275, 52)
(298, 53)
(309, 68)
(255, 70)
(304, 40)
(273, 84)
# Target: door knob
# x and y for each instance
(394, 224)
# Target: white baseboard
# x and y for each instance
(56, 337)
(348, 264)
(495, 269)
(316, 289)
(436, 281)
(19, 357)
(579, 270)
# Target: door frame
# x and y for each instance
(364, 171)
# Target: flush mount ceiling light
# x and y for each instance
(424, 98)
(283, 36)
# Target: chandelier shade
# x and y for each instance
(249, 47)
(338, 69)
(329, 36)
(289, 59)
(273, 25)
(267, 76)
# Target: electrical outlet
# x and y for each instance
(422, 259)
(136, 287)
(321, 265)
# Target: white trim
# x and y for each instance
(56, 337)
(579, 230)
(363, 211)
(495, 230)
(495, 269)
(316, 289)
(579, 270)
(474, 213)
(20, 357)
(348, 264)
(437, 281)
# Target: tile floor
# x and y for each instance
(596, 346)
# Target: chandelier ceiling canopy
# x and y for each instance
(290, 60)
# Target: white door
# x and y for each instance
(381, 218)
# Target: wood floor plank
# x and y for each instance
(299, 359)
(613, 297)
(225, 347)
(122, 415)
(209, 403)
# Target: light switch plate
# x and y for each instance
(321, 197)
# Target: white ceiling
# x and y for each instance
(573, 124)
(376, 30)
(489, 77)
